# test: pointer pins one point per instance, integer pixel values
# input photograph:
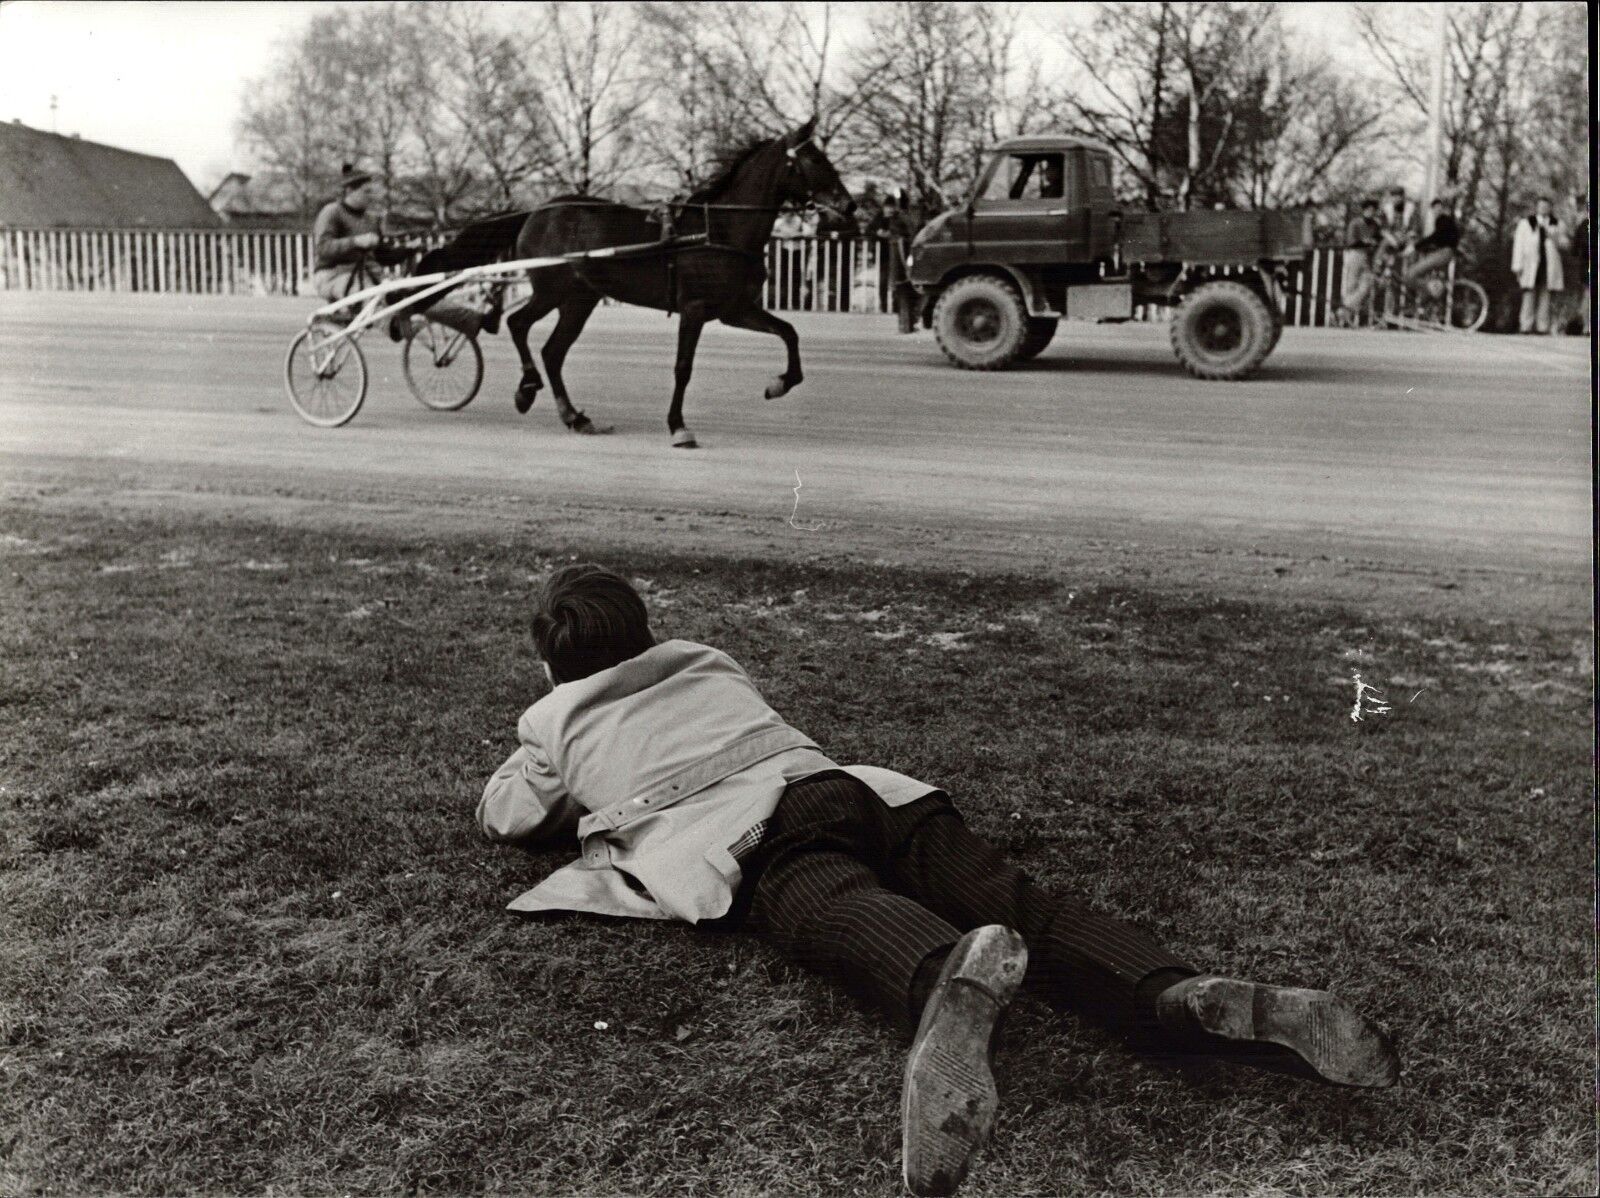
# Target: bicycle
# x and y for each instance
(1435, 301)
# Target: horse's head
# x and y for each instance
(810, 177)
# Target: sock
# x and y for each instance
(1150, 990)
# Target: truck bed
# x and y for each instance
(1225, 236)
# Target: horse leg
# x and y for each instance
(691, 319)
(517, 324)
(575, 311)
(758, 320)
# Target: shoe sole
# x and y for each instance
(949, 1100)
(1339, 1045)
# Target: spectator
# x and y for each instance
(788, 231)
(1360, 240)
(1581, 250)
(1536, 261)
(1438, 249)
(1400, 222)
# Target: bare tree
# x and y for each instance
(1309, 133)
(486, 85)
(294, 119)
(593, 90)
(1125, 56)
(1215, 47)
(924, 98)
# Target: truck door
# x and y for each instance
(1027, 209)
(1100, 206)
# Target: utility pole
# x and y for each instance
(1430, 186)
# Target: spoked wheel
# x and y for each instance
(326, 382)
(1469, 306)
(443, 367)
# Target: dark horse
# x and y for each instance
(718, 278)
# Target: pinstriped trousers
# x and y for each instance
(865, 893)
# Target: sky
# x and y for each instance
(166, 77)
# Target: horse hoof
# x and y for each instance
(684, 439)
(525, 397)
(585, 427)
(778, 387)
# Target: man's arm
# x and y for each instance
(525, 801)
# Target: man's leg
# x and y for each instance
(813, 890)
(1079, 958)
(1542, 318)
(1111, 969)
(1525, 318)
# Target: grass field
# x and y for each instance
(250, 940)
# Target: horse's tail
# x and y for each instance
(479, 243)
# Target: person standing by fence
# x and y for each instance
(1580, 252)
(1536, 261)
(1361, 239)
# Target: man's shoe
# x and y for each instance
(399, 327)
(948, 1105)
(491, 320)
(1310, 1031)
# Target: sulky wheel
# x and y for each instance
(1222, 330)
(443, 367)
(1469, 306)
(981, 323)
(326, 376)
(1040, 330)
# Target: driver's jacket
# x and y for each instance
(338, 258)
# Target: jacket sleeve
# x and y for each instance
(526, 801)
(332, 249)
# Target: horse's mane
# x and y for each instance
(728, 164)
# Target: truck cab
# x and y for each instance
(1042, 202)
(1040, 238)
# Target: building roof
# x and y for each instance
(1051, 141)
(261, 200)
(51, 181)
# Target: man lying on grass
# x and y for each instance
(692, 799)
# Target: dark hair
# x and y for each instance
(1370, 202)
(587, 620)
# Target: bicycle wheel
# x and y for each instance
(327, 384)
(1469, 306)
(443, 368)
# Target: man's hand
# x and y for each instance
(365, 241)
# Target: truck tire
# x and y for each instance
(1040, 330)
(981, 322)
(1222, 330)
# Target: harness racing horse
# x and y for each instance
(717, 278)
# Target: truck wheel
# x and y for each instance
(1222, 330)
(980, 322)
(1040, 330)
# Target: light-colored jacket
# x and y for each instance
(1525, 253)
(658, 765)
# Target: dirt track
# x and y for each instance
(1401, 470)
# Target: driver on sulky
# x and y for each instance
(350, 248)
(348, 237)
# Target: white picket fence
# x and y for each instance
(804, 274)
